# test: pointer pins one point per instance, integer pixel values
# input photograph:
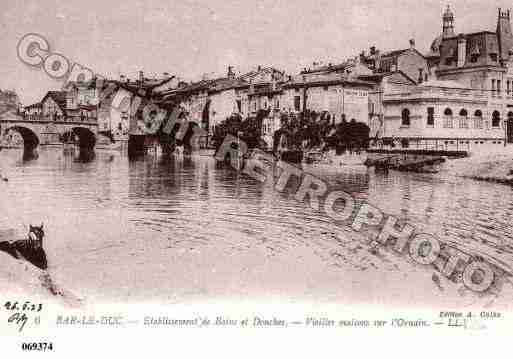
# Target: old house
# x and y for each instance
(53, 106)
(332, 93)
(264, 91)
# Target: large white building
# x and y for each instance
(467, 105)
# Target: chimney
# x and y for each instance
(462, 50)
(377, 64)
(412, 44)
(141, 77)
(231, 73)
(504, 34)
(421, 75)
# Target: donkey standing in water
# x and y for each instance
(30, 249)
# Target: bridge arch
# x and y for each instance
(86, 137)
(30, 138)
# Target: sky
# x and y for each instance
(191, 37)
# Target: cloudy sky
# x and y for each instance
(192, 37)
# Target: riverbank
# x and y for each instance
(21, 280)
(491, 167)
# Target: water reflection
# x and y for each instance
(30, 154)
(126, 220)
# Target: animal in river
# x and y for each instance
(30, 249)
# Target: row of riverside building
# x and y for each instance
(457, 96)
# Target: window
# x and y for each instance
(496, 119)
(463, 118)
(478, 119)
(493, 85)
(508, 88)
(499, 88)
(431, 117)
(297, 103)
(405, 118)
(448, 118)
(493, 57)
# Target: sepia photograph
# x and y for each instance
(191, 171)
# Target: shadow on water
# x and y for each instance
(85, 155)
(30, 154)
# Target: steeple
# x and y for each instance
(448, 23)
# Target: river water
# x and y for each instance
(177, 229)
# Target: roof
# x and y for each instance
(328, 68)
(254, 73)
(146, 84)
(325, 79)
(443, 83)
(34, 105)
(470, 34)
(434, 49)
(59, 97)
(480, 44)
(226, 83)
(394, 53)
(378, 76)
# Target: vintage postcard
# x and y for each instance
(271, 178)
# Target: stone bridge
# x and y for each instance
(41, 131)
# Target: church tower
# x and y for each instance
(448, 23)
(504, 34)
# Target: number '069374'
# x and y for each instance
(37, 346)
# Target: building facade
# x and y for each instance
(331, 93)
(438, 115)
(469, 106)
